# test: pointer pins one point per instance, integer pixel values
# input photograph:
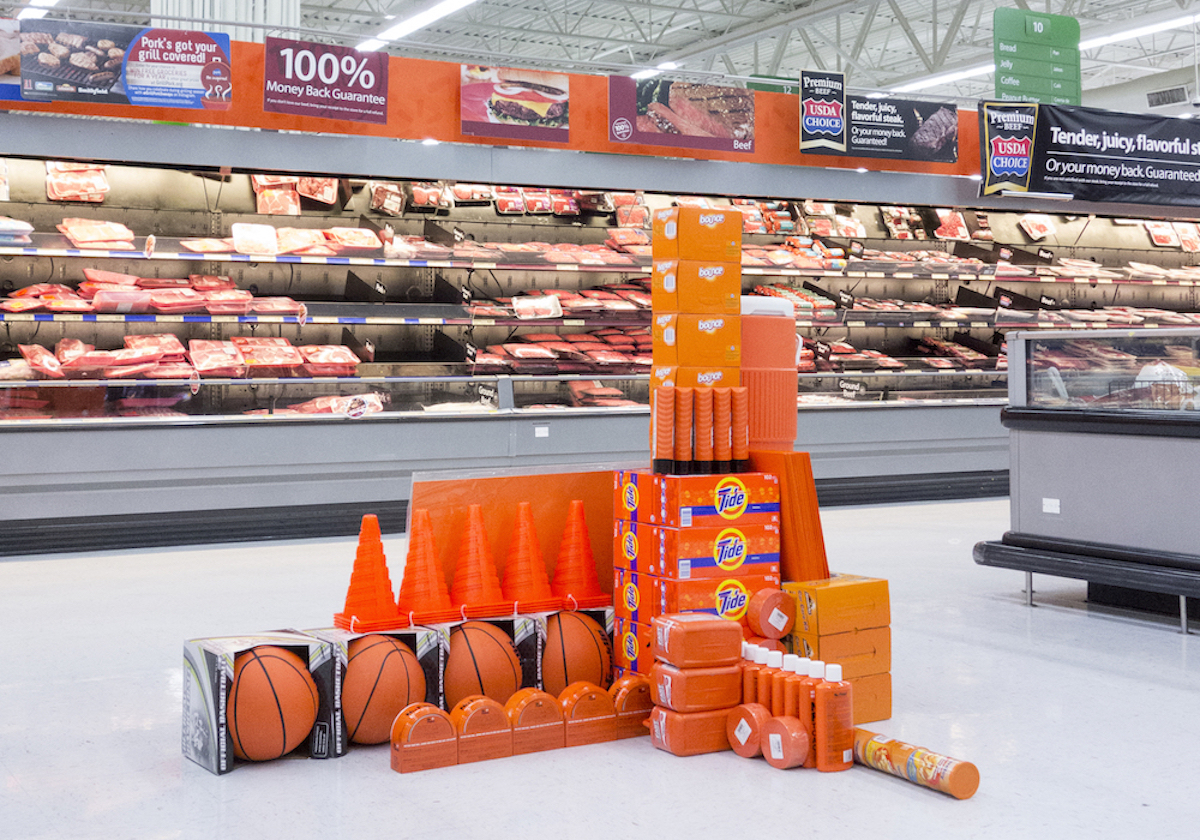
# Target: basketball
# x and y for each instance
(382, 677)
(577, 649)
(272, 704)
(483, 661)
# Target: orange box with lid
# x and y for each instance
(686, 501)
(859, 652)
(690, 376)
(696, 286)
(839, 604)
(696, 552)
(697, 233)
(697, 340)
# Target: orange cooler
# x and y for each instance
(769, 346)
(696, 552)
(689, 733)
(694, 640)
(695, 233)
(696, 689)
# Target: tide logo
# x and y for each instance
(732, 598)
(629, 646)
(731, 498)
(710, 325)
(730, 549)
(629, 546)
(629, 593)
(629, 496)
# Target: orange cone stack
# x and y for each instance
(526, 585)
(475, 591)
(575, 577)
(369, 604)
(423, 598)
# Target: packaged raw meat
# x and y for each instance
(278, 201)
(565, 205)
(216, 358)
(1037, 226)
(176, 301)
(113, 278)
(42, 290)
(633, 216)
(88, 185)
(121, 300)
(430, 196)
(354, 405)
(91, 362)
(324, 190)
(228, 302)
(166, 344)
(352, 238)
(164, 283)
(537, 306)
(262, 182)
(42, 360)
(510, 205)
(136, 356)
(819, 208)
(1162, 234)
(211, 282)
(537, 201)
(268, 356)
(208, 246)
(68, 349)
(951, 225)
(88, 230)
(289, 239)
(328, 360)
(471, 193)
(27, 304)
(172, 370)
(254, 239)
(14, 227)
(66, 305)
(386, 198)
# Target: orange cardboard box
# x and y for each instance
(872, 698)
(686, 553)
(696, 286)
(695, 233)
(697, 340)
(633, 595)
(840, 604)
(686, 501)
(631, 646)
(724, 597)
(859, 652)
(694, 377)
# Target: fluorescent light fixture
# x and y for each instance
(1131, 34)
(1185, 116)
(975, 176)
(370, 45)
(877, 95)
(860, 170)
(650, 74)
(430, 141)
(420, 21)
(36, 9)
(945, 78)
(1044, 196)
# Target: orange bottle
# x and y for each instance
(766, 677)
(758, 660)
(779, 684)
(833, 709)
(791, 690)
(805, 698)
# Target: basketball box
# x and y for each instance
(725, 597)
(687, 501)
(605, 617)
(631, 646)
(694, 233)
(697, 552)
(633, 595)
(859, 652)
(695, 286)
(424, 642)
(526, 632)
(840, 604)
(676, 376)
(697, 340)
(208, 678)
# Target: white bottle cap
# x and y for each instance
(833, 672)
(800, 666)
(789, 662)
(816, 668)
(760, 655)
(745, 650)
(775, 659)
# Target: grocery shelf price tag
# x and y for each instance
(308, 79)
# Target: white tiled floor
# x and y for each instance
(1082, 720)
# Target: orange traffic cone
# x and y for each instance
(423, 596)
(575, 578)
(369, 604)
(526, 585)
(475, 591)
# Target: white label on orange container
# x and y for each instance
(847, 755)
(664, 688)
(778, 619)
(775, 740)
(742, 731)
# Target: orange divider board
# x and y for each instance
(590, 715)
(631, 699)
(802, 543)
(423, 738)
(483, 729)
(537, 721)
(448, 500)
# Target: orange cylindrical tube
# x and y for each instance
(662, 431)
(684, 397)
(722, 422)
(960, 779)
(740, 429)
(703, 409)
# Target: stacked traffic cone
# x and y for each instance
(475, 591)
(526, 585)
(369, 604)
(575, 578)
(423, 596)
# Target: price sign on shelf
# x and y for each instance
(325, 80)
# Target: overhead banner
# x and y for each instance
(685, 115)
(325, 80)
(514, 104)
(900, 129)
(1089, 154)
(822, 112)
(97, 62)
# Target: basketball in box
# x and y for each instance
(859, 652)
(696, 286)
(694, 233)
(724, 597)
(526, 632)
(631, 646)
(688, 501)
(633, 595)
(840, 604)
(423, 642)
(208, 678)
(694, 377)
(686, 553)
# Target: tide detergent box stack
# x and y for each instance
(846, 619)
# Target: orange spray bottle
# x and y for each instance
(758, 661)
(779, 684)
(806, 698)
(833, 710)
(791, 689)
(766, 677)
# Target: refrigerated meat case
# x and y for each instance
(1105, 450)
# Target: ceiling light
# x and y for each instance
(371, 45)
(650, 74)
(945, 78)
(975, 176)
(35, 10)
(860, 170)
(420, 21)
(430, 141)
(1141, 31)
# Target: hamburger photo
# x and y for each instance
(529, 97)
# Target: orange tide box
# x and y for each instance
(697, 340)
(840, 604)
(686, 553)
(694, 377)
(723, 597)
(687, 501)
(859, 652)
(695, 233)
(631, 646)
(633, 595)
(696, 286)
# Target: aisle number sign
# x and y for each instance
(1037, 57)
